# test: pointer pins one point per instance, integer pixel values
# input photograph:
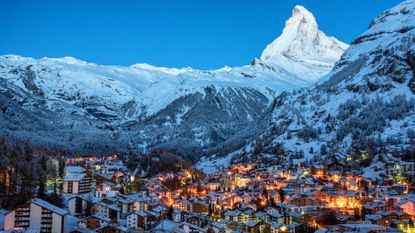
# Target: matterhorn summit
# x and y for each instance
(302, 49)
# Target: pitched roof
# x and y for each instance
(233, 213)
(74, 169)
(99, 216)
(74, 177)
(167, 226)
(373, 217)
(49, 206)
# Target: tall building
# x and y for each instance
(37, 214)
(77, 183)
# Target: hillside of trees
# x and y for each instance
(25, 172)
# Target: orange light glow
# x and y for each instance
(336, 178)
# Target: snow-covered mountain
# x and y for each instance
(89, 107)
(366, 103)
(302, 49)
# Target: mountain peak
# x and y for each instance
(303, 13)
(302, 42)
(301, 22)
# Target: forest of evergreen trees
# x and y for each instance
(25, 172)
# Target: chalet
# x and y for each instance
(408, 167)
(177, 215)
(389, 216)
(275, 217)
(374, 207)
(199, 207)
(188, 227)
(213, 186)
(260, 216)
(159, 210)
(99, 178)
(152, 218)
(253, 227)
(216, 227)
(107, 210)
(407, 206)
(137, 220)
(126, 205)
(199, 220)
(79, 229)
(107, 189)
(80, 206)
(168, 226)
(112, 229)
(272, 227)
(141, 203)
(360, 227)
(400, 188)
(301, 200)
(232, 215)
(374, 218)
(94, 222)
(74, 169)
(318, 170)
(247, 214)
(36, 214)
(77, 183)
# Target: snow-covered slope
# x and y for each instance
(144, 106)
(366, 103)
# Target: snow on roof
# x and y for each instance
(99, 216)
(49, 206)
(119, 228)
(260, 214)
(403, 202)
(274, 224)
(191, 226)
(232, 213)
(141, 213)
(82, 229)
(150, 212)
(103, 204)
(318, 166)
(74, 177)
(293, 225)
(167, 226)
(361, 226)
(295, 214)
(251, 223)
(71, 223)
(217, 225)
(74, 169)
(275, 215)
(159, 209)
(22, 231)
(81, 196)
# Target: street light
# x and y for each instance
(283, 228)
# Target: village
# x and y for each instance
(103, 195)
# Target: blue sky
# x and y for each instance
(204, 34)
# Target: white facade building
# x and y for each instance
(36, 215)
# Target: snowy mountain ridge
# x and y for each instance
(71, 103)
(366, 104)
